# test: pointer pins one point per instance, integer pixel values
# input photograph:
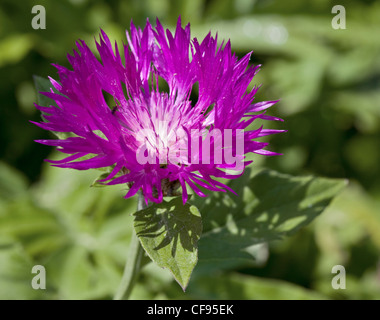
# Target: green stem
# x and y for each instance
(132, 265)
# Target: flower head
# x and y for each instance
(157, 140)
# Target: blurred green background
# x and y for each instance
(328, 82)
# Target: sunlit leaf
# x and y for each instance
(169, 233)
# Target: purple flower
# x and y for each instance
(152, 139)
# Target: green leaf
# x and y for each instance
(97, 182)
(78, 234)
(169, 233)
(268, 206)
(44, 85)
(12, 182)
(106, 172)
(83, 276)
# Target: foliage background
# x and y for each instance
(328, 81)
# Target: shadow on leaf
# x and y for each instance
(170, 223)
(269, 206)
